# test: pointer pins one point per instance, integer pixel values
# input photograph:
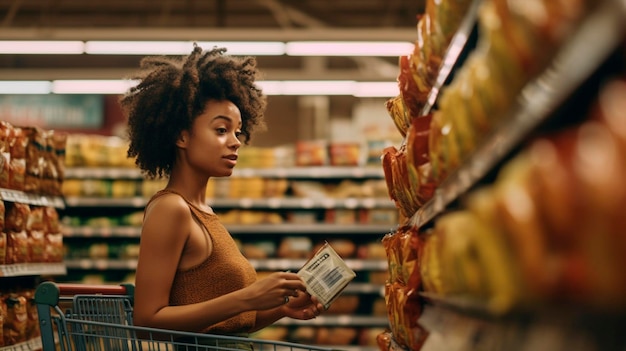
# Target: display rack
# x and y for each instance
(33, 269)
(282, 264)
(242, 203)
(33, 344)
(274, 172)
(361, 233)
(261, 229)
(595, 39)
(462, 323)
(25, 269)
(457, 47)
(31, 199)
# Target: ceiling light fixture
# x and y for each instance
(85, 86)
(348, 48)
(270, 87)
(100, 47)
(253, 48)
(48, 47)
(25, 87)
(137, 47)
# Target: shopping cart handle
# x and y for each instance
(68, 289)
(49, 292)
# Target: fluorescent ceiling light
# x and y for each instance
(91, 86)
(25, 87)
(138, 47)
(270, 87)
(376, 89)
(72, 47)
(348, 48)
(330, 87)
(98, 47)
(256, 48)
(317, 87)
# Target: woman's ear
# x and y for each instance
(183, 137)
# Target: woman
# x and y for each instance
(187, 119)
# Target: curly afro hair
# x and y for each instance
(173, 91)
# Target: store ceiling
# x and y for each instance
(205, 20)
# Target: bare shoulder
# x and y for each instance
(167, 210)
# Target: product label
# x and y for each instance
(326, 275)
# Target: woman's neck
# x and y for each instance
(191, 187)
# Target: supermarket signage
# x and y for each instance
(53, 111)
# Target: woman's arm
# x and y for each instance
(166, 229)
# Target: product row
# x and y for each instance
(512, 48)
(18, 316)
(547, 233)
(31, 159)
(85, 150)
(233, 187)
(29, 234)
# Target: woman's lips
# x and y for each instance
(231, 159)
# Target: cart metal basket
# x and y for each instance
(100, 317)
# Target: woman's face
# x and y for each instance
(212, 144)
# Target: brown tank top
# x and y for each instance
(224, 271)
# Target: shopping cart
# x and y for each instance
(100, 317)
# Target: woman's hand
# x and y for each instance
(303, 306)
(273, 291)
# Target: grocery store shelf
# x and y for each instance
(545, 329)
(32, 344)
(476, 308)
(275, 172)
(364, 288)
(280, 228)
(79, 201)
(31, 199)
(101, 264)
(339, 320)
(259, 264)
(317, 228)
(25, 269)
(356, 348)
(243, 203)
(453, 53)
(313, 172)
(284, 264)
(102, 232)
(595, 39)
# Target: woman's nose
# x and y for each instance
(235, 142)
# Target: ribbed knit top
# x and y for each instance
(224, 271)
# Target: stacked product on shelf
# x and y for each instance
(278, 211)
(31, 239)
(510, 184)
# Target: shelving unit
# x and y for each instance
(33, 344)
(33, 270)
(537, 101)
(358, 233)
(269, 264)
(286, 228)
(242, 203)
(462, 323)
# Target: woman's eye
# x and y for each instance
(221, 130)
